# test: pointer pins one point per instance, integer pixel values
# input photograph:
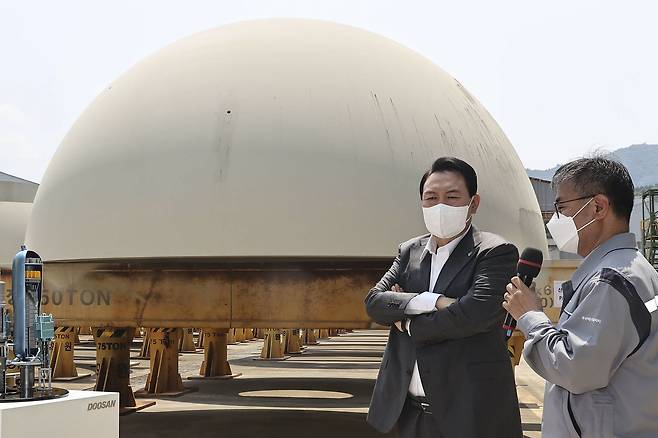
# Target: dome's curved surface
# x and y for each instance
(295, 138)
(13, 222)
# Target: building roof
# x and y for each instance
(11, 178)
(539, 179)
(15, 189)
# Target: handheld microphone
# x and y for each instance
(527, 269)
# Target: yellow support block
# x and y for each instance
(274, 346)
(163, 377)
(215, 364)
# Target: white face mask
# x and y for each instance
(564, 231)
(445, 221)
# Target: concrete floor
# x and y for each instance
(322, 393)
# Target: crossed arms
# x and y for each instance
(477, 310)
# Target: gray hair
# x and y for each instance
(599, 175)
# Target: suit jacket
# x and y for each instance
(461, 351)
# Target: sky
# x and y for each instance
(562, 78)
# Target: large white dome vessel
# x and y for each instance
(282, 137)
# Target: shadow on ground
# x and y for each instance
(227, 392)
(261, 423)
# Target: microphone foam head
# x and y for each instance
(530, 263)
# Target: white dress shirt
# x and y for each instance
(426, 301)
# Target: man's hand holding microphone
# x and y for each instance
(520, 299)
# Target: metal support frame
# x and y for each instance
(649, 226)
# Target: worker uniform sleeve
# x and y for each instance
(593, 339)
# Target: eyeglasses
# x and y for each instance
(556, 204)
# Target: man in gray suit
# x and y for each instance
(446, 371)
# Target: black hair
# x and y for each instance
(600, 175)
(452, 164)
